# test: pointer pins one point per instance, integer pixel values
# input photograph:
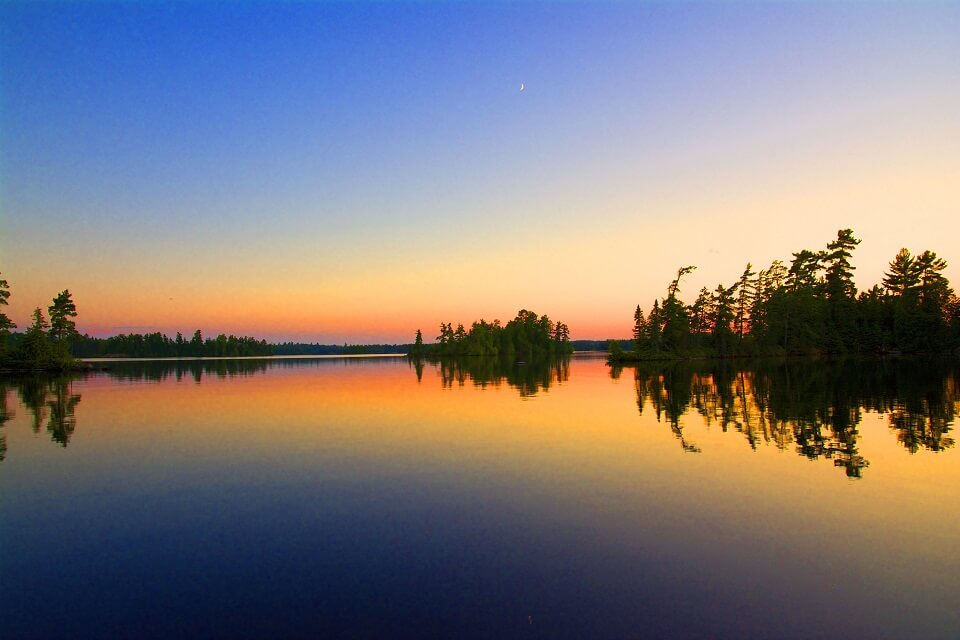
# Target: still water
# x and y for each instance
(378, 498)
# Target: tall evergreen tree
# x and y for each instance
(5, 323)
(700, 313)
(839, 272)
(655, 327)
(639, 329)
(676, 320)
(904, 274)
(747, 291)
(4, 292)
(196, 344)
(722, 318)
(417, 350)
(769, 282)
(62, 326)
(804, 272)
(35, 346)
(934, 288)
(561, 333)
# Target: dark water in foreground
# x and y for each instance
(371, 498)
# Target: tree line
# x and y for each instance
(159, 345)
(526, 337)
(810, 306)
(55, 343)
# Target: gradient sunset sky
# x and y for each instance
(347, 172)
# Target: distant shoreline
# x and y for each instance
(213, 358)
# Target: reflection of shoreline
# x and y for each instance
(528, 378)
(812, 408)
(51, 402)
(817, 407)
(160, 369)
(213, 358)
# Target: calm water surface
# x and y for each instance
(372, 497)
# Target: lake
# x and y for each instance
(372, 497)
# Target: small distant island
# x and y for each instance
(810, 307)
(526, 337)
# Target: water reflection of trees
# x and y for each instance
(5, 415)
(51, 402)
(158, 371)
(161, 370)
(814, 407)
(526, 377)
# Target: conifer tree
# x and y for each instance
(5, 323)
(417, 351)
(839, 272)
(196, 344)
(639, 329)
(744, 300)
(722, 317)
(655, 326)
(904, 274)
(676, 321)
(62, 326)
(934, 288)
(700, 313)
(804, 272)
(35, 347)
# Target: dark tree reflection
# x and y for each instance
(51, 403)
(528, 378)
(813, 407)
(62, 406)
(417, 364)
(160, 370)
(5, 415)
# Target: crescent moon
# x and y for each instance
(521, 86)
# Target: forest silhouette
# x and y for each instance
(808, 307)
(815, 408)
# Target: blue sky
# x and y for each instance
(357, 153)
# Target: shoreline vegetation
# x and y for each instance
(809, 308)
(45, 345)
(56, 346)
(527, 337)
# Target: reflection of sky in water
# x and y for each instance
(349, 497)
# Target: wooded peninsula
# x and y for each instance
(810, 307)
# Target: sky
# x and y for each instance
(353, 172)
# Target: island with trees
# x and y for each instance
(527, 337)
(809, 307)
